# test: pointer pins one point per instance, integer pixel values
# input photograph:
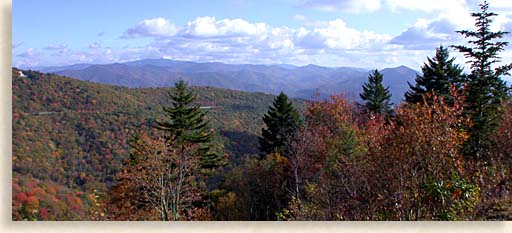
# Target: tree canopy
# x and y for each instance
(377, 97)
(486, 91)
(185, 122)
(438, 75)
(282, 122)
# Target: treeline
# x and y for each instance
(444, 154)
(81, 147)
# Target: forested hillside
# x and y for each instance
(70, 137)
(382, 145)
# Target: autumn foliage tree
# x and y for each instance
(160, 182)
(334, 174)
(408, 169)
(421, 161)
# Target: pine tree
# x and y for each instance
(439, 73)
(282, 123)
(485, 91)
(376, 96)
(186, 123)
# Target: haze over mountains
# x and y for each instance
(298, 82)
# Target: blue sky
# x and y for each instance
(360, 33)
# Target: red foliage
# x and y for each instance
(44, 214)
(21, 197)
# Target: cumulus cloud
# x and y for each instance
(503, 4)
(329, 43)
(426, 5)
(426, 34)
(239, 41)
(450, 16)
(336, 35)
(156, 27)
(350, 6)
(214, 35)
(503, 22)
(456, 11)
(210, 27)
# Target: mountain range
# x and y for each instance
(297, 81)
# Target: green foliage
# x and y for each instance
(185, 122)
(439, 73)
(377, 97)
(485, 90)
(255, 190)
(282, 122)
(450, 200)
(75, 133)
(70, 140)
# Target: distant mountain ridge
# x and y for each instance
(297, 81)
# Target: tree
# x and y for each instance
(486, 91)
(422, 172)
(376, 96)
(439, 73)
(185, 123)
(259, 187)
(282, 122)
(159, 182)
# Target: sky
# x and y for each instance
(371, 34)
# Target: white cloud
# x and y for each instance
(427, 34)
(156, 27)
(502, 22)
(336, 35)
(348, 6)
(426, 5)
(329, 43)
(448, 16)
(456, 11)
(210, 27)
(504, 4)
(239, 41)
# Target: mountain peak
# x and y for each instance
(402, 67)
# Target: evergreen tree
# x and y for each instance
(485, 91)
(439, 73)
(376, 96)
(186, 123)
(282, 123)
